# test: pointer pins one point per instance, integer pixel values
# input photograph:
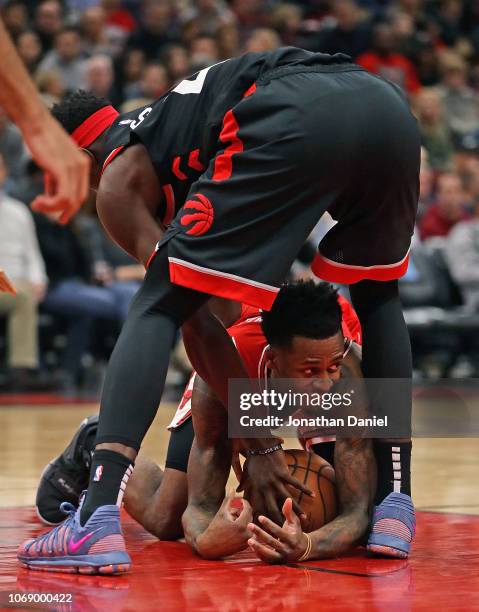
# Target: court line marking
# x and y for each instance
(341, 572)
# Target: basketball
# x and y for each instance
(318, 475)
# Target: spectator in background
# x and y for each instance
(154, 83)
(435, 134)
(228, 40)
(177, 62)
(203, 52)
(351, 33)
(94, 32)
(48, 22)
(21, 259)
(287, 20)
(384, 59)
(462, 256)
(112, 268)
(449, 208)
(459, 101)
(13, 153)
(71, 297)
(99, 76)
(208, 14)
(67, 59)
(15, 17)
(51, 86)
(263, 39)
(29, 49)
(129, 72)
(426, 60)
(156, 29)
(425, 186)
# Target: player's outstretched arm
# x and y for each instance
(49, 144)
(214, 526)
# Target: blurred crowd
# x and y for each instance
(74, 285)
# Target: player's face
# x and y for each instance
(316, 362)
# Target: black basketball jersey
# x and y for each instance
(181, 129)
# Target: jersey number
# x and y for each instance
(141, 117)
(196, 85)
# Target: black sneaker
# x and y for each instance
(65, 477)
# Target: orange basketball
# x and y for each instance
(317, 474)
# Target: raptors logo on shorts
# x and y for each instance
(202, 219)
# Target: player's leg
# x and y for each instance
(387, 354)
(157, 498)
(91, 539)
(368, 249)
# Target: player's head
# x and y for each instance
(86, 117)
(303, 329)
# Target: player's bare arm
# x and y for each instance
(49, 144)
(213, 527)
(129, 202)
(355, 469)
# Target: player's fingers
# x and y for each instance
(276, 531)
(246, 515)
(262, 536)
(289, 514)
(265, 553)
(294, 482)
(47, 203)
(283, 494)
(272, 509)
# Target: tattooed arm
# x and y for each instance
(214, 525)
(355, 469)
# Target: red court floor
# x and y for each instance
(443, 572)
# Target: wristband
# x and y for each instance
(264, 451)
(307, 551)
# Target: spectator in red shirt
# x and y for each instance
(385, 61)
(449, 208)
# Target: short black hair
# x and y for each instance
(302, 308)
(75, 107)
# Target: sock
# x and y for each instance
(108, 477)
(325, 450)
(394, 468)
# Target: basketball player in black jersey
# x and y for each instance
(240, 162)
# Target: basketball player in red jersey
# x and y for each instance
(240, 162)
(158, 499)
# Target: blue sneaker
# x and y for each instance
(96, 548)
(393, 527)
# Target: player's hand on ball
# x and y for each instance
(228, 531)
(274, 544)
(265, 478)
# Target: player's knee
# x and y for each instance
(367, 295)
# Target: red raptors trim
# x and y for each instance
(176, 169)
(223, 163)
(88, 131)
(203, 219)
(250, 91)
(169, 204)
(334, 272)
(222, 284)
(194, 162)
(111, 157)
(151, 257)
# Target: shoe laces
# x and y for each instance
(53, 535)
